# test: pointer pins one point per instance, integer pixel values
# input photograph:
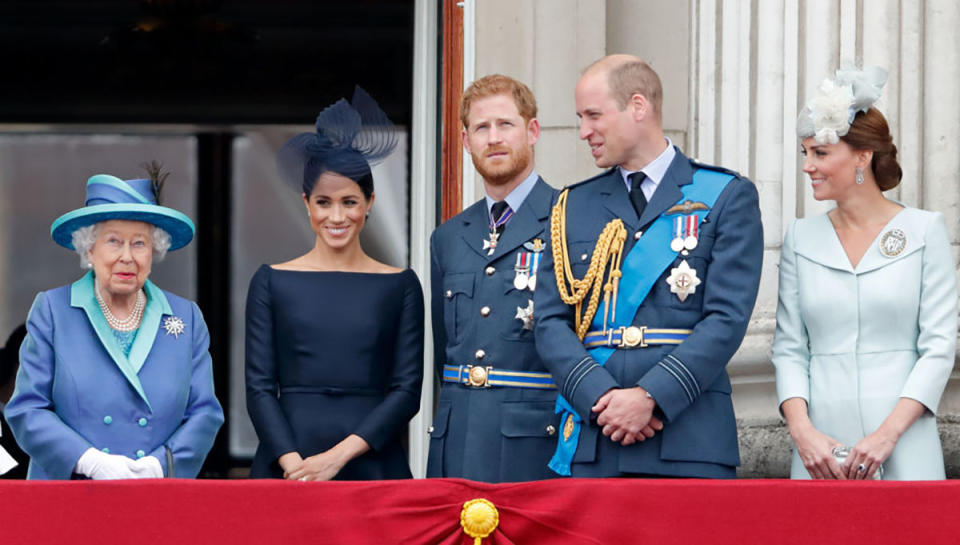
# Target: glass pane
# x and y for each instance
(270, 226)
(44, 175)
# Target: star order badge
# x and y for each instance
(174, 326)
(683, 280)
(525, 315)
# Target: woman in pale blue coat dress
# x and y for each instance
(115, 378)
(867, 315)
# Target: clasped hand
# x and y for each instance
(100, 465)
(626, 415)
(319, 467)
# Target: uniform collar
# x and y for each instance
(654, 170)
(518, 195)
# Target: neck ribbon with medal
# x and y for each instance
(490, 245)
(658, 247)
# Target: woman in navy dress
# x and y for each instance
(334, 346)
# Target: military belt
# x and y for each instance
(480, 376)
(635, 337)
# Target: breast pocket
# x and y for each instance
(516, 299)
(689, 280)
(580, 254)
(458, 300)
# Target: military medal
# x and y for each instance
(536, 247)
(525, 315)
(490, 245)
(534, 267)
(522, 270)
(683, 280)
(692, 230)
(893, 242)
(677, 243)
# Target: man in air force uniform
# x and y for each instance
(495, 419)
(657, 267)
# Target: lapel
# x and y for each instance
(616, 199)
(905, 221)
(818, 242)
(528, 221)
(157, 307)
(678, 174)
(82, 296)
(476, 227)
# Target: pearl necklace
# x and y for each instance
(129, 323)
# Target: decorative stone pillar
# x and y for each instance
(751, 72)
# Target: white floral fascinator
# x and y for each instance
(828, 115)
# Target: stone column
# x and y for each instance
(793, 46)
(545, 44)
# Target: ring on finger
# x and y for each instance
(861, 468)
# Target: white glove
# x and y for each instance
(100, 465)
(148, 467)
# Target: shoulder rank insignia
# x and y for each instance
(686, 207)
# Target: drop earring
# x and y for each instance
(859, 176)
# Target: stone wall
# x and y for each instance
(735, 74)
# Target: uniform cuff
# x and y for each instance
(585, 385)
(672, 386)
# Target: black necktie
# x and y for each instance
(636, 194)
(497, 211)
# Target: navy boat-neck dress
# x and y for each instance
(329, 354)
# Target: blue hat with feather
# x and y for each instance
(110, 198)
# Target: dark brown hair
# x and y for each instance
(869, 131)
(498, 84)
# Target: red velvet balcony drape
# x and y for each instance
(584, 511)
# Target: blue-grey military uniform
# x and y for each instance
(688, 380)
(495, 419)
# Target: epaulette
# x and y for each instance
(588, 180)
(696, 163)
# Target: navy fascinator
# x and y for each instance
(350, 137)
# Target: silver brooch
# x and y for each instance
(893, 242)
(174, 326)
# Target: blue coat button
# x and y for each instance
(142, 422)
(107, 419)
(141, 454)
(105, 450)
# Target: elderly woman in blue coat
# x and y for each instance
(115, 378)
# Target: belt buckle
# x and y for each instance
(478, 376)
(632, 337)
